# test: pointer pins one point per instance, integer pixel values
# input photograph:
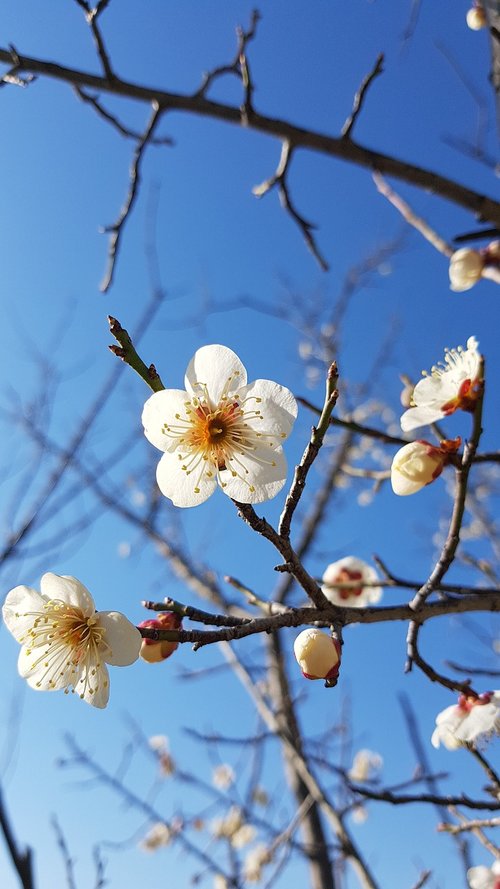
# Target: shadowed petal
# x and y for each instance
(261, 481)
(219, 369)
(122, 640)
(18, 609)
(181, 488)
(161, 409)
(69, 590)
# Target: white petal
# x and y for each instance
(122, 640)
(17, 607)
(265, 479)
(161, 408)
(277, 405)
(451, 716)
(420, 416)
(219, 369)
(480, 877)
(437, 388)
(175, 483)
(44, 674)
(67, 589)
(479, 721)
(93, 686)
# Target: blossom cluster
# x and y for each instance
(455, 384)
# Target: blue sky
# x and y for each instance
(64, 174)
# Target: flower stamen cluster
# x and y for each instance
(220, 430)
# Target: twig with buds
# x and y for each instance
(128, 354)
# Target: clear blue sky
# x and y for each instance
(64, 174)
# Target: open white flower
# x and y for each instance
(355, 574)
(220, 430)
(470, 719)
(451, 386)
(482, 877)
(65, 642)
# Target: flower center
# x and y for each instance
(67, 645)
(466, 704)
(346, 576)
(465, 399)
(212, 439)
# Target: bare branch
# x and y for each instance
(360, 96)
(310, 453)
(480, 205)
(280, 180)
(22, 860)
(93, 101)
(135, 177)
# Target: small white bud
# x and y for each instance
(476, 18)
(317, 654)
(416, 465)
(465, 270)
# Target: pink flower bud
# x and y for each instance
(415, 466)
(153, 652)
(317, 654)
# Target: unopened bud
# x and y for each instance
(418, 464)
(466, 267)
(154, 651)
(317, 654)
(476, 18)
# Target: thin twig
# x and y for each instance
(94, 102)
(116, 229)
(22, 860)
(360, 96)
(279, 180)
(126, 351)
(310, 453)
(65, 853)
(411, 218)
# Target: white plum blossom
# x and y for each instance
(482, 877)
(317, 654)
(365, 765)
(66, 643)
(254, 862)
(229, 825)
(355, 574)
(244, 835)
(470, 719)
(223, 776)
(159, 835)
(465, 269)
(220, 430)
(452, 385)
(416, 465)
